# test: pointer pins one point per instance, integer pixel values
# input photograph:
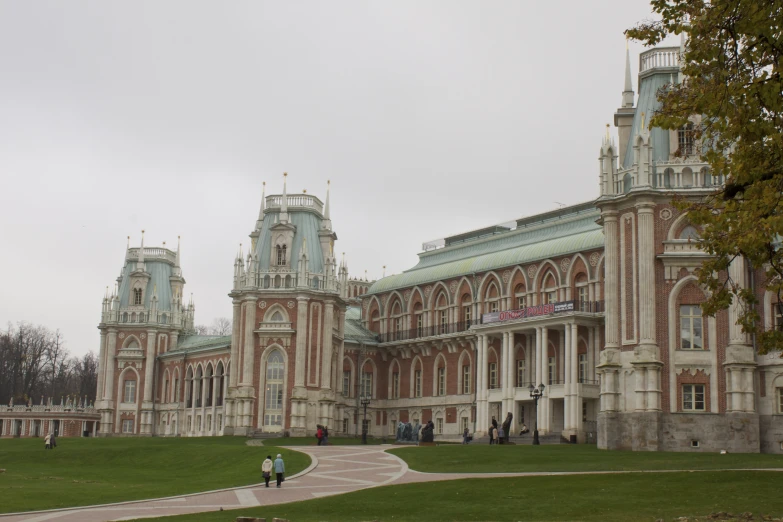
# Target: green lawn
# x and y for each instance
(81, 472)
(599, 498)
(333, 441)
(566, 457)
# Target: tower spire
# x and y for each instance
(628, 91)
(284, 202)
(263, 201)
(179, 249)
(326, 205)
(140, 262)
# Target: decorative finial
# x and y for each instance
(304, 191)
(607, 132)
(128, 241)
(285, 174)
(384, 270)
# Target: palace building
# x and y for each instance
(597, 301)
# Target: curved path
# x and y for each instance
(334, 470)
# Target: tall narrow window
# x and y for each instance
(582, 367)
(493, 375)
(691, 327)
(493, 306)
(520, 373)
(166, 391)
(685, 139)
(444, 321)
(466, 379)
(439, 426)
(583, 304)
(521, 302)
(347, 383)
(281, 255)
(780, 400)
(417, 383)
(273, 392)
(551, 370)
(466, 315)
(366, 384)
(398, 328)
(693, 397)
(441, 381)
(420, 325)
(130, 391)
(395, 385)
(137, 296)
(551, 297)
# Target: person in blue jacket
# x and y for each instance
(279, 469)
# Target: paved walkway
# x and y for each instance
(334, 470)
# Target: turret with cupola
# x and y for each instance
(288, 312)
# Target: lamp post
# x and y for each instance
(365, 401)
(536, 393)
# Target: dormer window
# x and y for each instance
(685, 140)
(137, 296)
(281, 255)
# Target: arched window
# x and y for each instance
(685, 140)
(219, 385)
(549, 293)
(137, 296)
(273, 393)
(690, 233)
(492, 298)
(281, 255)
(277, 317)
(442, 314)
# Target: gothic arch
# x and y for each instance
(464, 356)
(489, 277)
(676, 225)
(491, 351)
(262, 383)
(463, 281)
(418, 290)
(174, 385)
(547, 266)
(435, 365)
(132, 338)
(166, 378)
(570, 274)
(510, 286)
(374, 367)
(121, 387)
(393, 298)
(269, 315)
(374, 299)
(394, 364)
(438, 288)
(598, 270)
(416, 363)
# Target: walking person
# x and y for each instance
(48, 441)
(319, 434)
(279, 469)
(266, 469)
(325, 436)
(465, 436)
(53, 441)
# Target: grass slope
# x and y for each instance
(565, 457)
(599, 498)
(82, 472)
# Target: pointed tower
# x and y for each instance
(623, 118)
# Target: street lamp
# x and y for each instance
(536, 393)
(365, 401)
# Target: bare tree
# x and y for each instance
(201, 329)
(221, 326)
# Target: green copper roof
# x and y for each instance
(159, 280)
(566, 234)
(648, 105)
(354, 331)
(197, 342)
(307, 226)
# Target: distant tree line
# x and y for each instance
(34, 364)
(220, 326)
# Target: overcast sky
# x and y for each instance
(430, 119)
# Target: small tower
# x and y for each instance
(623, 118)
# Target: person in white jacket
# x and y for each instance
(266, 469)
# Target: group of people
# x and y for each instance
(322, 434)
(278, 465)
(500, 435)
(50, 441)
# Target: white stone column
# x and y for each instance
(610, 280)
(249, 345)
(481, 390)
(576, 397)
(234, 377)
(647, 285)
(538, 378)
(326, 363)
(544, 424)
(149, 365)
(301, 342)
(567, 394)
(99, 394)
(110, 364)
